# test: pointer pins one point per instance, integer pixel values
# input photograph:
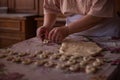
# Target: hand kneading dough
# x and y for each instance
(79, 48)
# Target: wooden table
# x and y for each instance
(108, 71)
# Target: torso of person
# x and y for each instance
(76, 9)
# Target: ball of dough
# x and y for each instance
(8, 50)
(3, 55)
(22, 54)
(43, 56)
(54, 56)
(71, 62)
(63, 58)
(40, 62)
(32, 55)
(49, 64)
(74, 57)
(74, 68)
(9, 58)
(90, 69)
(38, 52)
(45, 41)
(86, 58)
(16, 59)
(61, 66)
(12, 53)
(26, 61)
(96, 64)
(99, 60)
(83, 63)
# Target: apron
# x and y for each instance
(109, 27)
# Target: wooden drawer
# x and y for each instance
(15, 28)
(5, 42)
(13, 25)
(12, 35)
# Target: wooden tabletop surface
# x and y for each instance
(32, 72)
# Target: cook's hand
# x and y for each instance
(42, 32)
(57, 34)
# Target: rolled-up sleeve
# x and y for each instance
(51, 7)
(102, 8)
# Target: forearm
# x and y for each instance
(85, 23)
(49, 20)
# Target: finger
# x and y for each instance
(55, 35)
(60, 39)
(46, 34)
(50, 34)
(38, 33)
(42, 33)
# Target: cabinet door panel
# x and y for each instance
(10, 25)
(25, 6)
(3, 3)
(41, 7)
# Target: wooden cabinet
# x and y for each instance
(59, 22)
(15, 28)
(41, 7)
(3, 3)
(23, 6)
(118, 5)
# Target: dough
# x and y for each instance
(63, 58)
(49, 64)
(61, 66)
(38, 52)
(74, 57)
(45, 41)
(55, 56)
(90, 69)
(32, 55)
(9, 58)
(16, 59)
(70, 47)
(26, 61)
(22, 54)
(71, 62)
(83, 63)
(98, 62)
(3, 55)
(8, 50)
(12, 53)
(88, 58)
(43, 56)
(74, 68)
(40, 62)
